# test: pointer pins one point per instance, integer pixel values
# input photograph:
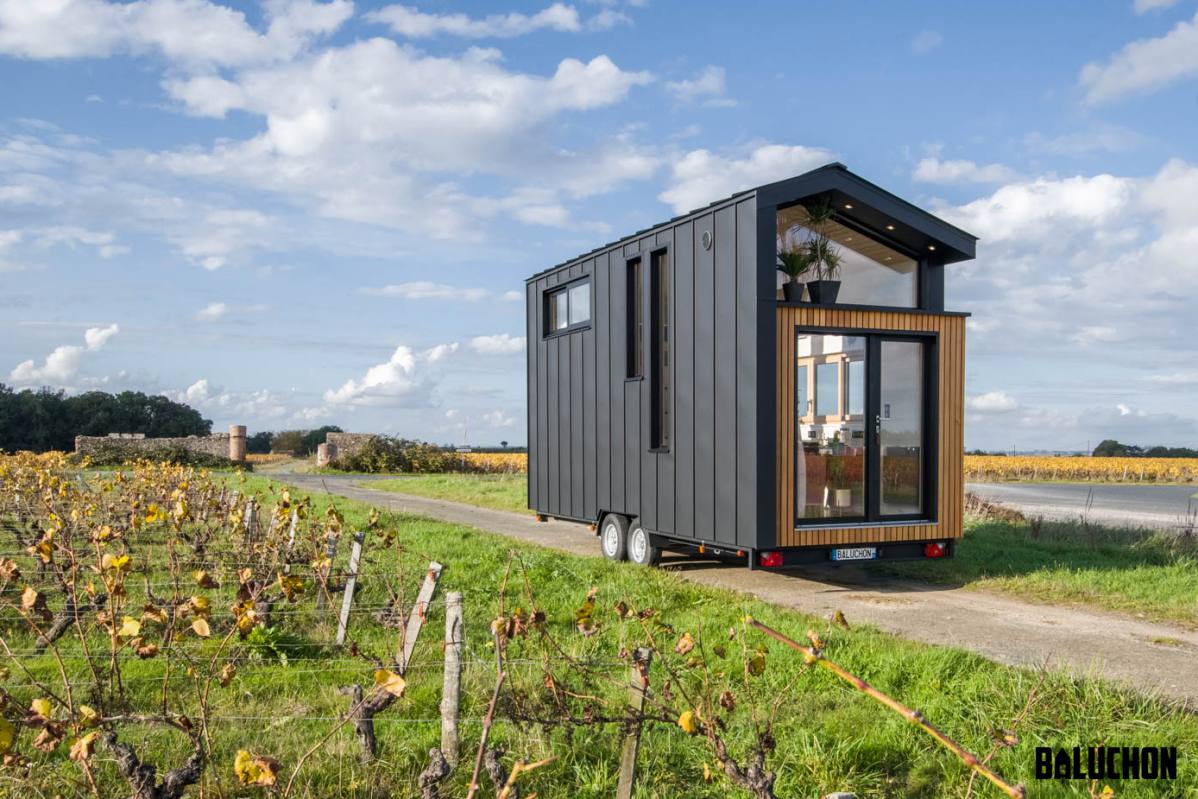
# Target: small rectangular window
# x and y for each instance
(635, 358)
(568, 307)
(659, 304)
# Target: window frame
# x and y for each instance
(661, 405)
(547, 298)
(634, 318)
(930, 473)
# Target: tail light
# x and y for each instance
(771, 560)
(936, 549)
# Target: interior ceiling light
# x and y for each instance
(848, 207)
(931, 246)
(890, 227)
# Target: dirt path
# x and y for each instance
(1147, 656)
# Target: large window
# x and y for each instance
(871, 272)
(659, 303)
(861, 449)
(635, 333)
(568, 307)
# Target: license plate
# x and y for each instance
(855, 553)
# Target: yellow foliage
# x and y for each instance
(1081, 469)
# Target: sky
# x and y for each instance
(291, 213)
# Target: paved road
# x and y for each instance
(1164, 507)
(1149, 657)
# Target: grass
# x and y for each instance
(1152, 575)
(497, 491)
(829, 737)
(1129, 571)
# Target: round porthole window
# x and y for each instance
(707, 239)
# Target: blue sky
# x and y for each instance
(298, 212)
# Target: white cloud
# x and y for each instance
(194, 33)
(212, 312)
(992, 402)
(428, 290)
(1094, 334)
(1098, 139)
(926, 41)
(63, 363)
(1144, 65)
(413, 23)
(707, 87)
(1144, 6)
(513, 296)
(497, 418)
(368, 132)
(498, 344)
(701, 177)
(934, 170)
(97, 337)
(401, 378)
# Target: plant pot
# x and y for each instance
(823, 292)
(792, 291)
(843, 497)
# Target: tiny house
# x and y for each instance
(677, 399)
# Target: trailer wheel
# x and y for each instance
(613, 537)
(641, 549)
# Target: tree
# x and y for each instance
(503, 444)
(46, 419)
(287, 441)
(314, 438)
(259, 443)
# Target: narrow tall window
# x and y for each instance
(636, 322)
(659, 302)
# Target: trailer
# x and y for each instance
(678, 400)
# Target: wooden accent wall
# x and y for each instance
(951, 396)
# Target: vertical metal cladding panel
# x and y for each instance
(578, 424)
(605, 372)
(684, 380)
(704, 377)
(553, 440)
(542, 422)
(617, 297)
(725, 375)
(747, 289)
(533, 368)
(632, 447)
(648, 505)
(666, 461)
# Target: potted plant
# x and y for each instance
(823, 257)
(794, 261)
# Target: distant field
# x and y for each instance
(987, 468)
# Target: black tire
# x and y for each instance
(613, 537)
(641, 548)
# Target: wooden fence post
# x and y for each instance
(290, 541)
(451, 686)
(251, 519)
(355, 556)
(417, 615)
(638, 686)
(330, 552)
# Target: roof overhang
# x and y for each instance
(872, 208)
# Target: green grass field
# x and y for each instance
(497, 491)
(1126, 571)
(828, 736)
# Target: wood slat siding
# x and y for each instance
(951, 399)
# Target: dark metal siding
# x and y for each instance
(589, 425)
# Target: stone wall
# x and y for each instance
(348, 444)
(137, 444)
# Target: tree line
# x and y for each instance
(1110, 448)
(44, 420)
(299, 442)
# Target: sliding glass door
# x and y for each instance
(862, 410)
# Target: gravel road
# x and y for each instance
(1163, 507)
